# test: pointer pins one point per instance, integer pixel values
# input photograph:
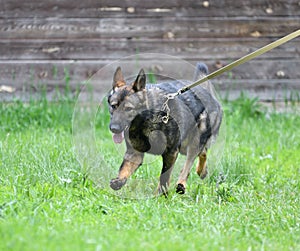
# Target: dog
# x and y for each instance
(141, 114)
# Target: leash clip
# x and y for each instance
(165, 119)
(171, 96)
(165, 107)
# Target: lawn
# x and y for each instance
(249, 202)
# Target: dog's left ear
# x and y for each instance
(140, 82)
(118, 78)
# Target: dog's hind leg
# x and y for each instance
(169, 159)
(202, 166)
(130, 163)
(185, 172)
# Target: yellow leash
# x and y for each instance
(228, 67)
(237, 62)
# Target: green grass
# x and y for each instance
(250, 201)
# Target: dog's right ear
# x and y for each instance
(118, 78)
(140, 82)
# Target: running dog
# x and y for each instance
(141, 114)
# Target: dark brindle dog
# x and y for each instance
(187, 125)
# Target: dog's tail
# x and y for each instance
(201, 69)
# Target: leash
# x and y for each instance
(228, 67)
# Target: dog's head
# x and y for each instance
(125, 101)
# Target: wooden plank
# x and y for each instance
(154, 8)
(142, 28)
(23, 74)
(188, 49)
(273, 90)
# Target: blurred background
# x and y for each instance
(58, 44)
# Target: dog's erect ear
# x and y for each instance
(118, 78)
(140, 82)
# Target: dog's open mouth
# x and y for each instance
(118, 137)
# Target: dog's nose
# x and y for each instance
(115, 128)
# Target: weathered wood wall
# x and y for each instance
(41, 40)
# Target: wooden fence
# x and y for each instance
(59, 42)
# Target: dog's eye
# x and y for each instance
(114, 107)
(128, 109)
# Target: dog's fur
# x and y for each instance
(136, 114)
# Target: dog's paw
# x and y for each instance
(180, 189)
(117, 183)
(162, 191)
(203, 174)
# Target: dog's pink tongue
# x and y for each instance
(118, 137)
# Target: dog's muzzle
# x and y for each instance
(115, 128)
(118, 133)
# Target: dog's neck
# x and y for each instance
(154, 97)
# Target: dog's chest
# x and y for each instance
(147, 133)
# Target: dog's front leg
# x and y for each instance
(131, 162)
(169, 158)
